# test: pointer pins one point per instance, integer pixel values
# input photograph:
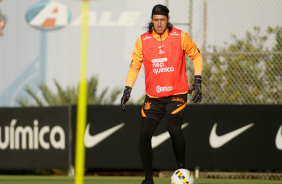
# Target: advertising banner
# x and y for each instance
(111, 137)
(34, 138)
(234, 136)
(217, 136)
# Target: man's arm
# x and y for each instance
(134, 68)
(136, 63)
(190, 48)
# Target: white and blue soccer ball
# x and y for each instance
(182, 176)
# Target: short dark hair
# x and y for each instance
(159, 10)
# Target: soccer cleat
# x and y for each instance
(147, 182)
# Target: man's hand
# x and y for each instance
(125, 96)
(197, 96)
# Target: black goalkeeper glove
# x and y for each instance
(197, 96)
(125, 96)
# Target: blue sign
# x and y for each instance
(48, 15)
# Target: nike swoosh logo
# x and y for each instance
(160, 46)
(159, 139)
(218, 141)
(92, 140)
(278, 139)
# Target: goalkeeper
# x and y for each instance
(162, 51)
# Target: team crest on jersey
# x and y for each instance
(147, 106)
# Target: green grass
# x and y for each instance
(15, 179)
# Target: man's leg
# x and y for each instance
(147, 129)
(178, 142)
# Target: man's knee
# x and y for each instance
(147, 128)
(174, 124)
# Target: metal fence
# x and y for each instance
(241, 45)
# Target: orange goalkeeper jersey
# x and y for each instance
(186, 45)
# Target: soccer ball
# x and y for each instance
(182, 176)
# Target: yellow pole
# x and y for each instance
(82, 99)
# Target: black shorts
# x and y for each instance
(156, 107)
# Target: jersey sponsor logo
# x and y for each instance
(278, 139)
(217, 141)
(161, 51)
(92, 140)
(32, 138)
(147, 37)
(159, 139)
(174, 33)
(177, 99)
(163, 69)
(159, 60)
(159, 66)
(160, 89)
(48, 15)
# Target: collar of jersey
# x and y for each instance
(160, 37)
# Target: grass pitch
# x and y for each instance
(15, 179)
